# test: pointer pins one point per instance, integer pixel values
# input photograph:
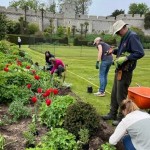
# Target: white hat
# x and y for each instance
(118, 25)
(96, 39)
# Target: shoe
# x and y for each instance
(115, 122)
(109, 117)
(99, 94)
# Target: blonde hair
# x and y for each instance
(128, 105)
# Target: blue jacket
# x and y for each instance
(130, 43)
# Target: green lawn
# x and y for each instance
(81, 71)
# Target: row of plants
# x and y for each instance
(30, 93)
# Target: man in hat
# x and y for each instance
(106, 61)
(129, 51)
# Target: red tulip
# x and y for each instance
(36, 77)
(6, 69)
(34, 99)
(48, 102)
(28, 67)
(55, 91)
(33, 71)
(19, 63)
(39, 90)
(45, 95)
(29, 86)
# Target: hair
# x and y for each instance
(128, 105)
(47, 57)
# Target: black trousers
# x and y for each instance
(119, 92)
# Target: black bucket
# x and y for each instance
(89, 89)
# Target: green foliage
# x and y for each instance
(83, 137)
(33, 28)
(108, 146)
(117, 12)
(81, 115)
(3, 27)
(13, 27)
(61, 31)
(53, 116)
(138, 8)
(2, 142)
(18, 110)
(59, 138)
(147, 21)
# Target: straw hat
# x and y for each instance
(118, 25)
(97, 39)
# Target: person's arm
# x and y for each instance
(120, 131)
(136, 48)
(99, 53)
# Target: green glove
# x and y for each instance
(97, 65)
(119, 61)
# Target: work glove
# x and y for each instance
(97, 65)
(119, 61)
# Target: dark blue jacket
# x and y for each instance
(130, 43)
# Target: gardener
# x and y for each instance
(106, 61)
(49, 64)
(58, 66)
(129, 51)
(134, 128)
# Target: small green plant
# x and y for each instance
(2, 142)
(108, 146)
(18, 110)
(83, 137)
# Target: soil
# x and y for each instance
(13, 133)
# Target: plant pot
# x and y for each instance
(89, 89)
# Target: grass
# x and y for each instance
(81, 71)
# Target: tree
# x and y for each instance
(140, 8)
(147, 21)
(86, 28)
(3, 27)
(117, 12)
(81, 6)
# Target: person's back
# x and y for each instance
(138, 124)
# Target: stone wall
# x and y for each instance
(68, 18)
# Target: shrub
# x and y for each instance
(18, 110)
(33, 28)
(81, 116)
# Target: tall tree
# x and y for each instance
(81, 6)
(140, 8)
(3, 27)
(117, 12)
(147, 21)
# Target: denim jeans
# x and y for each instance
(103, 72)
(128, 143)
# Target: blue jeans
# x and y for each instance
(103, 72)
(128, 143)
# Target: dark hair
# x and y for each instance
(48, 57)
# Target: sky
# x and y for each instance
(100, 7)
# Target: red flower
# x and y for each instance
(55, 91)
(33, 71)
(36, 77)
(48, 102)
(28, 67)
(34, 99)
(6, 69)
(19, 63)
(45, 95)
(29, 86)
(39, 90)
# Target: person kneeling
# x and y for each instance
(133, 128)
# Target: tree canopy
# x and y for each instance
(136, 8)
(117, 12)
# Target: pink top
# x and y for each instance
(56, 64)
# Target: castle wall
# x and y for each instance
(97, 24)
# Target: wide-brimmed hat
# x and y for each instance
(97, 39)
(118, 25)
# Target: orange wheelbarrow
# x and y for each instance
(140, 95)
